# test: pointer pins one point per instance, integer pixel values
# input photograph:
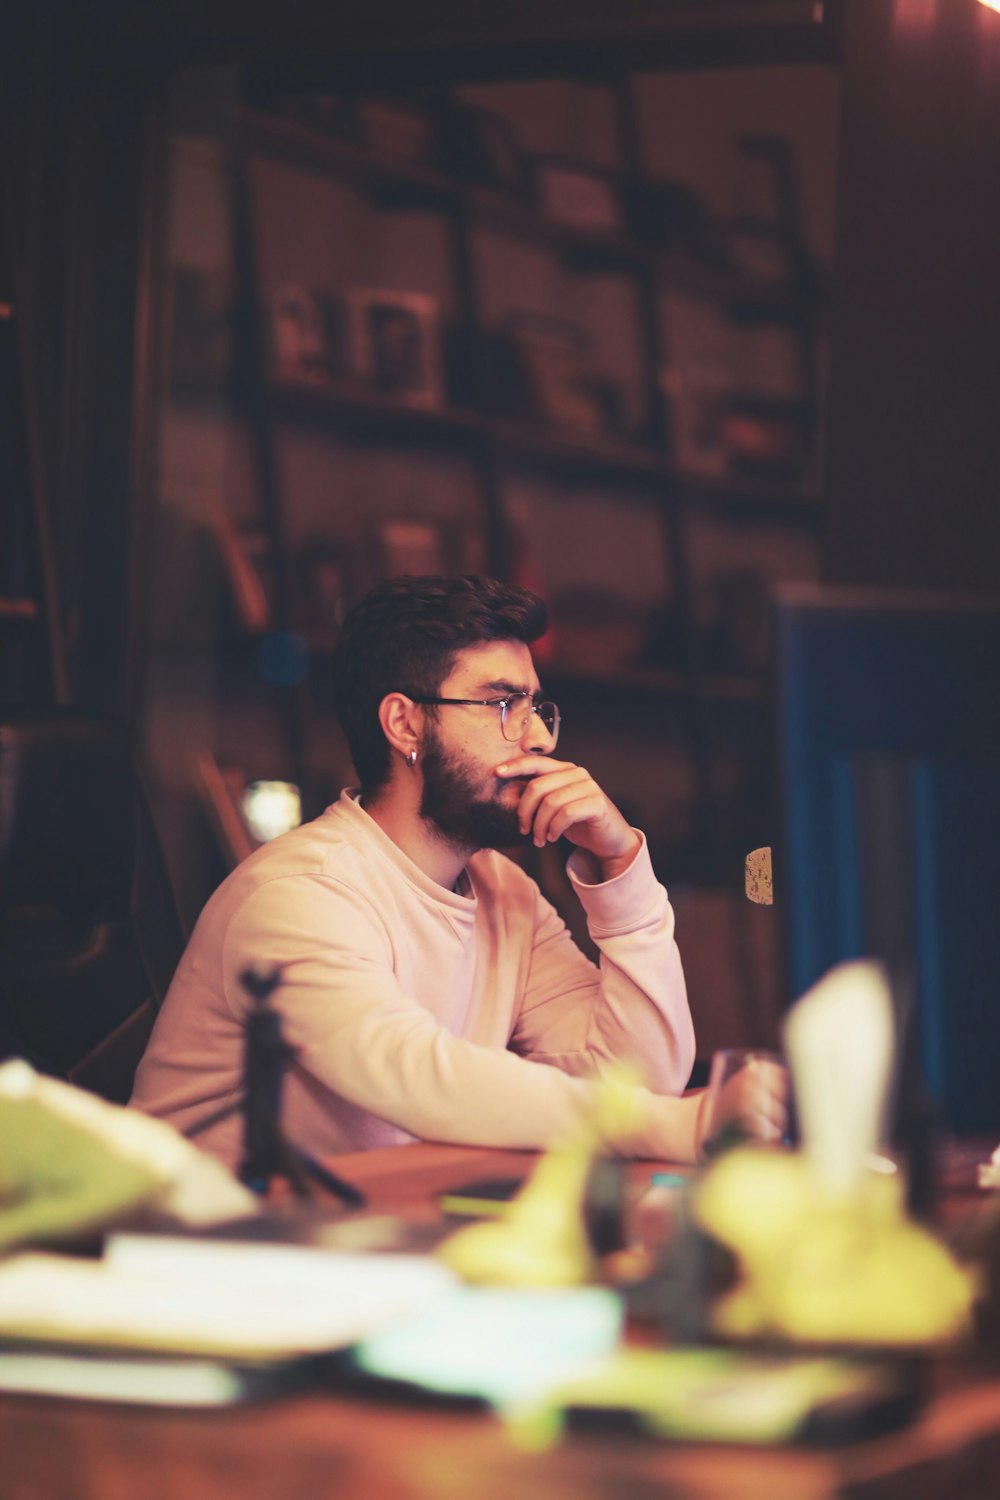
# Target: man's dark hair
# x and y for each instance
(404, 637)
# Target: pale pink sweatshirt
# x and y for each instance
(416, 1012)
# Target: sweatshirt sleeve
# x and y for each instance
(357, 1033)
(634, 1007)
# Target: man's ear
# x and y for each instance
(402, 722)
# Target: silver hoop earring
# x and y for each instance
(411, 758)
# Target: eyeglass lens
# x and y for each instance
(516, 716)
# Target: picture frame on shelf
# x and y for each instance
(396, 344)
(299, 335)
(560, 383)
(578, 194)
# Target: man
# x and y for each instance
(427, 988)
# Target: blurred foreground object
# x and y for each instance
(840, 1044)
(827, 1253)
(827, 1270)
(542, 1240)
(72, 1164)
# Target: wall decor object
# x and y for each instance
(299, 341)
(396, 344)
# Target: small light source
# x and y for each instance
(270, 808)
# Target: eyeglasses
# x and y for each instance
(515, 712)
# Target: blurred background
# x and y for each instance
(649, 307)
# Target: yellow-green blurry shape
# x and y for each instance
(541, 1240)
(822, 1269)
(700, 1395)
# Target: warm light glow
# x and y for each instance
(271, 807)
(991, 5)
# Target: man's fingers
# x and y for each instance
(546, 795)
(562, 809)
(532, 765)
(559, 797)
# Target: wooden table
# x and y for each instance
(324, 1447)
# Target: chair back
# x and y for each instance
(90, 932)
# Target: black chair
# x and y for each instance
(90, 933)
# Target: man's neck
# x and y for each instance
(439, 860)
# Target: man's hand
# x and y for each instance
(561, 798)
(755, 1100)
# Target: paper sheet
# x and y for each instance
(247, 1301)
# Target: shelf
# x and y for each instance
(298, 145)
(347, 403)
(341, 403)
(344, 403)
(736, 290)
(414, 184)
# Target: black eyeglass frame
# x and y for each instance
(503, 704)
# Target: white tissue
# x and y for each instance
(839, 1040)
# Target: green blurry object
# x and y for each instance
(59, 1182)
(71, 1163)
(720, 1396)
(822, 1268)
(541, 1238)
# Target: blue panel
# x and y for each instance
(874, 689)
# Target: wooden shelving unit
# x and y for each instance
(673, 684)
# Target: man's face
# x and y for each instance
(462, 796)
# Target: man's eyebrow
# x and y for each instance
(508, 689)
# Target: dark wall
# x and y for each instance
(80, 178)
(914, 417)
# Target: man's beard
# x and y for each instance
(452, 803)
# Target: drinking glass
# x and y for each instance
(726, 1063)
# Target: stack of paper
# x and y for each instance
(212, 1307)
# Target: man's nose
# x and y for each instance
(536, 738)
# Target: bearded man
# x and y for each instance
(428, 990)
